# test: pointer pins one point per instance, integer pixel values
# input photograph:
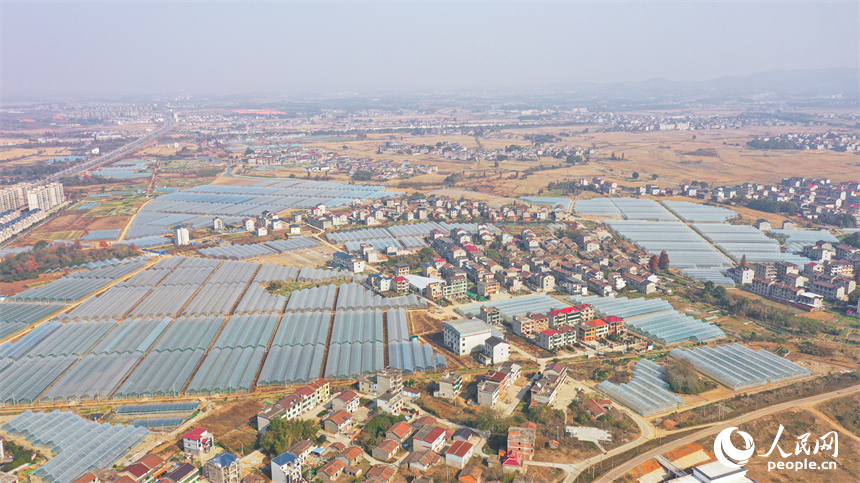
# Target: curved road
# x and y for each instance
(630, 464)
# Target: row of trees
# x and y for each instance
(43, 257)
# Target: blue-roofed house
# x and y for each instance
(223, 468)
(286, 468)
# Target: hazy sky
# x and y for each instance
(92, 48)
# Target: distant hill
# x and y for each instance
(774, 83)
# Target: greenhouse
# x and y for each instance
(739, 367)
(297, 350)
(95, 377)
(133, 335)
(78, 445)
(162, 374)
(22, 381)
(16, 316)
(270, 272)
(323, 275)
(114, 303)
(258, 300)
(227, 370)
(647, 392)
(158, 424)
(686, 249)
(215, 299)
(315, 298)
(626, 208)
(744, 240)
(699, 213)
(538, 303)
(167, 408)
(395, 232)
(549, 200)
(196, 206)
(653, 318)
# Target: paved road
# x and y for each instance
(630, 464)
(115, 154)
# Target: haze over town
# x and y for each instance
(422, 242)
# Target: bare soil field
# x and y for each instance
(12, 288)
(234, 424)
(797, 422)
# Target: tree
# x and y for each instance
(281, 434)
(703, 184)
(362, 175)
(744, 261)
(682, 378)
(663, 262)
(635, 175)
(654, 176)
(652, 264)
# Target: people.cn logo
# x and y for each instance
(724, 449)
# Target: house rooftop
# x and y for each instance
(467, 327)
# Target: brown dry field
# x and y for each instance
(797, 422)
(70, 220)
(233, 424)
(663, 153)
(12, 288)
(31, 155)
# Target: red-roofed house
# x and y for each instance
(399, 432)
(338, 423)
(198, 441)
(598, 408)
(346, 401)
(601, 328)
(550, 339)
(459, 454)
(616, 324)
(401, 284)
(428, 437)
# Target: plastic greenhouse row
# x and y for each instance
(380, 244)
(22, 381)
(303, 328)
(740, 367)
(323, 275)
(158, 423)
(349, 360)
(315, 298)
(292, 364)
(419, 230)
(231, 271)
(539, 303)
(164, 301)
(78, 445)
(247, 331)
(355, 296)
(17, 316)
(699, 213)
(54, 339)
(413, 355)
(227, 371)
(218, 298)
(270, 271)
(62, 290)
(398, 325)
(189, 276)
(653, 319)
(167, 408)
(647, 392)
(190, 333)
(145, 278)
(114, 303)
(95, 377)
(258, 300)
(112, 272)
(133, 335)
(161, 374)
(686, 249)
(357, 326)
(187, 206)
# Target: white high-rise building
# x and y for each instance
(45, 197)
(180, 236)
